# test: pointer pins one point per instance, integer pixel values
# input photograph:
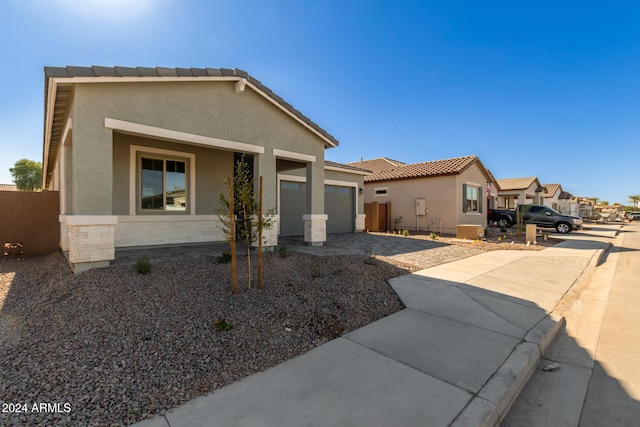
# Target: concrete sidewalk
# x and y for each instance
(459, 354)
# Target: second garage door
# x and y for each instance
(339, 205)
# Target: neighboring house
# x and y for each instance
(8, 187)
(567, 204)
(140, 155)
(520, 191)
(552, 196)
(586, 207)
(436, 196)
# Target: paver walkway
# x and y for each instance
(418, 252)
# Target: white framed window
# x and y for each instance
(163, 184)
(380, 191)
(471, 198)
(161, 181)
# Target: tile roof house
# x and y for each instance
(552, 196)
(520, 191)
(139, 156)
(436, 195)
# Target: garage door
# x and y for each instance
(339, 206)
(293, 204)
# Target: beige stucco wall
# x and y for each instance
(443, 195)
(476, 177)
(97, 160)
(211, 167)
(210, 109)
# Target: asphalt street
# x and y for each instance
(597, 381)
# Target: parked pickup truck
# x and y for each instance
(542, 216)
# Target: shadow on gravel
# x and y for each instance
(112, 347)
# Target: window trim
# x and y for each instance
(376, 189)
(135, 154)
(479, 187)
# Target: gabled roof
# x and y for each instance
(377, 165)
(452, 166)
(565, 195)
(517, 183)
(59, 82)
(552, 189)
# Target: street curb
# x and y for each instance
(602, 254)
(491, 404)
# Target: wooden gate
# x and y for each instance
(378, 216)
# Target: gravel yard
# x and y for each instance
(112, 347)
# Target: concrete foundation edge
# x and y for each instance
(489, 407)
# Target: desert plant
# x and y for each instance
(222, 324)
(251, 221)
(283, 251)
(142, 265)
(405, 233)
(225, 258)
(369, 260)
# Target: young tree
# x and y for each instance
(251, 221)
(27, 174)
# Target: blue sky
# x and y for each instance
(547, 88)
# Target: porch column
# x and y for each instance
(315, 221)
(264, 166)
(88, 240)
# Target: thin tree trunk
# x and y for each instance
(260, 237)
(247, 229)
(232, 237)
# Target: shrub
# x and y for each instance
(283, 251)
(142, 265)
(405, 233)
(225, 258)
(222, 324)
(369, 260)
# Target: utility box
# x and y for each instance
(421, 207)
(469, 231)
(531, 232)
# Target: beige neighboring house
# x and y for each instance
(552, 196)
(567, 204)
(520, 191)
(8, 187)
(139, 156)
(560, 200)
(435, 196)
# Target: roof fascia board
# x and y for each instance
(173, 135)
(291, 155)
(241, 82)
(346, 170)
(138, 79)
(328, 143)
(51, 103)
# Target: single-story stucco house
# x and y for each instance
(520, 191)
(437, 195)
(139, 156)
